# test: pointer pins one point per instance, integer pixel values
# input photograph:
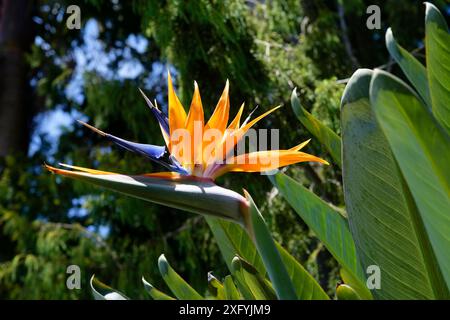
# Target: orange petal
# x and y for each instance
(175, 176)
(265, 160)
(231, 138)
(164, 175)
(76, 170)
(239, 133)
(300, 146)
(234, 125)
(194, 124)
(219, 118)
(82, 169)
(177, 114)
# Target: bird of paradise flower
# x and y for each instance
(189, 183)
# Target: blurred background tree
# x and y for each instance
(50, 76)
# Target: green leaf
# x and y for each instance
(245, 291)
(179, 287)
(247, 294)
(325, 135)
(413, 69)
(231, 292)
(260, 288)
(305, 286)
(383, 218)
(360, 288)
(265, 244)
(328, 225)
(215, 287)
(437, 41)
(233, 241)
(101, 291)
(422, 150)
(345, 292)
(155, 293)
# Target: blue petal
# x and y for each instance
(158, 154)
(148, 150)
(159, 115)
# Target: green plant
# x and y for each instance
(394, 154)
(194, 165)
(395, 162)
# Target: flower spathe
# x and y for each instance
(192, 194)
(193, 161)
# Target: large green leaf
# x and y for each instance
(325, 135)
(413, 69)
(215, 287)
(231, 292)
(437, 44)
(155, 293)
(101, 291)
(179, 287)
(422, 150)
(305, 286)
(383, 218)
(245, 291)
(233, 241)
(328, 225)
(259, 287)
(270, 255)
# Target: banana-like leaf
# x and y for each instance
(260, 288)
(155, 293)
(186, 193)
(360, 288)
(215, 287)
(325, 135)
(383, 217)
(241, 284)
(345, 292)
(305, 286)
(437, 40)
(179, 287)
(231, 292)
(270, 255)
(422, 150)
(413, 69)
(234, 241)
(101, 291)
(328, 225)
